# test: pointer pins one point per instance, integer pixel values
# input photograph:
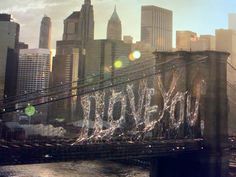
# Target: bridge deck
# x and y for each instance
(54, 151)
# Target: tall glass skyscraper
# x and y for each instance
(45, 33)
(156, 27)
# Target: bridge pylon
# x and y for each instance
(213, 160)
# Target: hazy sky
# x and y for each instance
(201, 16)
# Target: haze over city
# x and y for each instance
(130, 88)
(200, 16)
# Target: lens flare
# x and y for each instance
(135, 55)
(118, 64)
(131, 57)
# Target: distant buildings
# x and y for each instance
(80, 24)
(209, 40)
(184, 39)
(114, 28)
(71, 29)
(86, 22)
(69, 62)
(45, 33)
(189, 41)
(9, 40)
(145, 49)
(157, 27)
(33, 74)
(33, 70)
(101, 55)
(232, 21)
(22, 45)
(128, 39)
(226, 41)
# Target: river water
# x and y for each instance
(74, 169)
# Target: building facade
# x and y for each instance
(9, 35)
(157, 27)
(210, 41)
(45, 33)
(33, 75)
(69, 62)
(86, 21)
(33, 70)
(101, 55)
(146, 50)
(23, 45)
(232, 21)
(226, 41)
(114, 27)
(128, 39)
(184, 40)
(71, 27)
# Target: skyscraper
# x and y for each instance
(45, 33)
(114, 28)
(33, 74)
(9, 39)
(156, 27)
(33, 70)
(226, 41)
(128, 39)
(101, 55)
(71, 27)
(184, 40)
(86, 22)
(69, 62)
(210, 40)
(232, 21)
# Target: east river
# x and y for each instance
(74, 169)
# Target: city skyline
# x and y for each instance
(29, 15)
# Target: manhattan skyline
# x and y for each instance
(199, 16)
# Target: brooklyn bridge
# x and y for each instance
(170, 110)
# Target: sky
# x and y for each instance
(201, 16)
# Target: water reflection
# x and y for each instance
(74, 169)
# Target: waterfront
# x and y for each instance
(74, 169)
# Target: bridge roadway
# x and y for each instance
(13, 153)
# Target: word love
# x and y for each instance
(177, 105)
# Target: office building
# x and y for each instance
(226, 41)
(128, 39)
(45, 33)
(69, 62)
(114, 27)
(204, 42)
(157, 27)
(33, 74)
(210, 41)
(9, 39)
(184, 40)
(86, 21)
(101, 55)
(33, 70)
(232, 21)
(146, 50)
(22, 45)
